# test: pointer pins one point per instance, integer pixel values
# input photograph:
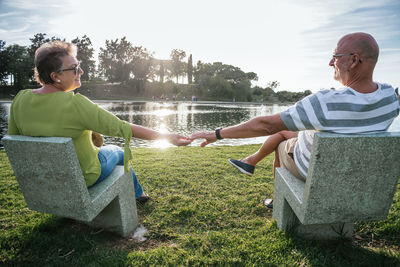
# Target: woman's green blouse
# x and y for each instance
(72, 115)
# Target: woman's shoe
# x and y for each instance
(143, 198)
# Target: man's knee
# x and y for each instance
(287, 134)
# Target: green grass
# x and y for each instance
(202, 212)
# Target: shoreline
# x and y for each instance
(177, 102)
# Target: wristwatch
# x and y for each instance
(218, 134)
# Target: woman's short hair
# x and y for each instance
(48, 59)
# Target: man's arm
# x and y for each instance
(259, 126)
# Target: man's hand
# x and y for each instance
(178, 140)
(209, 136)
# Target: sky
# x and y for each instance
(289, 41)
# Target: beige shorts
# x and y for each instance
(285, 150)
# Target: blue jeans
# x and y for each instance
(110, 156)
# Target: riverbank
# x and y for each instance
(202, 212)
(154, 91)
(100, 100)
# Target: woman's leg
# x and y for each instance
(268, 147)
(138, 187)
(109, 157)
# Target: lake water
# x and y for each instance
(181, 117)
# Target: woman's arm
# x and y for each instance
(148, 134)
(12, 127)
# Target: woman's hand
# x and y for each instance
(178, 140)
(97, 139)
(149, 134)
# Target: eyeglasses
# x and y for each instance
(75, 69)
(336, 56)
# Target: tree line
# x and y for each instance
(121, 62)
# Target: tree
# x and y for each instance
(122, 62)
(257, 91)
(20, 66)
(114, 60)
(219, 87)
(286, 96)
(4, 62)
(161, 72)
(190, 69)
(240, 85)
(273, 85)
(159, 69)
(85, 55)
(178, 67)
(242, 90)
(252, 76)
(140, 61)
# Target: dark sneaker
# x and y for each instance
(143, 199)
(243, 167)
(269, 203)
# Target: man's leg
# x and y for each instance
(284, 158)
(269, 146)
(248, 164)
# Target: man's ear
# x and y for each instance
(355, 60)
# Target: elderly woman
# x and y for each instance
(54, 110)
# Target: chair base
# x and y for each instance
(325, 231)
(112, 219)
(287, 221)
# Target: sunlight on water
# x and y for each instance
(163, 112)
(161, 143)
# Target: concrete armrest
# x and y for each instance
(292, 188)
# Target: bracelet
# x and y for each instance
(218, 134)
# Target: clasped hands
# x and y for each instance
(175, 139)
(180, 140)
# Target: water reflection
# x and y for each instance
(184, 118)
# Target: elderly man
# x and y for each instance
(361, 106)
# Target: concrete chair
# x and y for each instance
(350, 178)
(48, 173)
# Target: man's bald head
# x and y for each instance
(363, 44)
(354, 61)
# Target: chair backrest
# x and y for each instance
(48, 173)
(351, 177)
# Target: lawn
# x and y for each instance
(202, 212)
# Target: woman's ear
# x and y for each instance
(54, 77)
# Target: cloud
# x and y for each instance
(35, 5)
(9, 14)
(21, 19)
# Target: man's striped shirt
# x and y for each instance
(343, 111)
